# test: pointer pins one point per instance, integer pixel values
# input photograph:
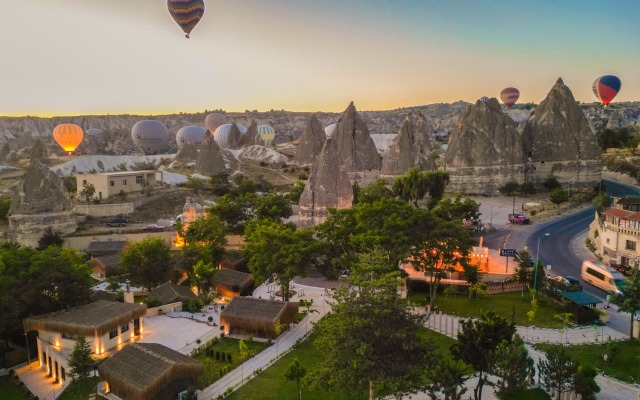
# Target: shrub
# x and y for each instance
(508, 188)
(551, 183)
(229, 358)
(210, 319)
(217, 355)
(198, 341)
(527, 188)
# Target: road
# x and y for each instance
(555, 248)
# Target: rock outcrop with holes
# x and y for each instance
(485, 150)
(311, 142)
(210, 159)
(187, 153)
(410, 148)
(558, 141)
(356, 148)
(40, 201)
(328, 186)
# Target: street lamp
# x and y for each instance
(535, 269)
(26, 340)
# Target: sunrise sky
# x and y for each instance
(69, 57)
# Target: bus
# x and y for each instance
(602, 276)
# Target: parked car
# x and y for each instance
(518, 219)
(153, 227)
(623, 269)
(117, 221)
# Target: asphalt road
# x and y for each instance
(555, 248)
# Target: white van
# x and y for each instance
(602, 276)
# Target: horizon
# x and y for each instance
(73, 58)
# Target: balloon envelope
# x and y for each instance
(192, 134)
(186, 13)
(221, 135)
(150, 135)
(68, 136)
(484, 99)
(606, 88)
(509, 96)
(329, 129)
(267, 133)
(213, 121)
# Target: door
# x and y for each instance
(136, 326)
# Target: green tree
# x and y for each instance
(274, 248)
(202, 277)
(273, 205)
(558, 196)
(71, 183)
(220, 184)
(457, 210)
(584, 383)
(196, 184)
(88, 190)
(296, 191)
(527, 188)
(50, 238)
(415, 185)
(601, 201)
(447, 379)
(538, 279)
(81, 364)
(478, 341)
(509, 188)
(371, 340)
(377, 190)
(558, 371)
(628, 300)
(296, 372)
(231, 212)
(523, 273)
(210, 235)
(446, 246)
(512, 365)
(147, 261)
(551, 183)
(5, 205)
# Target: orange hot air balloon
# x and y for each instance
(68, 136)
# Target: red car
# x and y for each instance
(518, 219)
(153, 227)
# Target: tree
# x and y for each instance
(601, 201)
(446, 246)
(147, 261)
(88, 190)
(415, 185)
(628, 300)
(457, 210)
(523, 273)
(508, 188)
(195, 184)
(210, 235)
(377, 190)
(5, 205)
(478, 341)
(371, 340)
(81, 364)
(512, 365)
(71, 183)
(274, 248)
(551, 183)
(231, 212)
(50, 238)
(447, 379)
(220, 184)
(273, 205)
(558, 371)
(558, 196)
(584, 382)
(202, 277)
(296, 372)
(527, 188)
(296, 191)
(538, 279)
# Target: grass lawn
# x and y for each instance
(272, 385)
(504, 304)
(9, 391)
(530, 394)
(625, 365)
(81, 389)
(214, 369)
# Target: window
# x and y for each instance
(113, 333)
(139, 180)
(124, 182)
(631, 245)
(112, 183)
(62, 374)
(84, 182)
(124, 328)
(597, 274)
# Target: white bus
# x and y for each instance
(602, 276)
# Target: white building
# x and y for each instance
(110, 184)
(618, 232)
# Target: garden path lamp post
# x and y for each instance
(535, 269)
(26, 340)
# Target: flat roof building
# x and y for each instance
(109, 184)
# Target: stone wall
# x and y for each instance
(103, 210)
(580, 175)
(483, 180)
(28, 229)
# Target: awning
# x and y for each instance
(582, 298)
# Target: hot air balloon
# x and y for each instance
(266, 133)
(484, 99)
(221, 135)
(192, 134)
(214, 120)
(68, 136)
(187, 13)
(329, 129)
(509, 96)
(606, 88)
(150, 135)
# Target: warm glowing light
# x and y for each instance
(57, 343)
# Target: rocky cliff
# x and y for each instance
(328, 186)
(354, 143)
(485, 150)
(210, 159)
(558, 141)
(311, 142)
(39, 152)
(411, 147)
(187, 153)
(251, 137)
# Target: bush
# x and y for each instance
(217, 355)
(551, 183)
(527, 188)
(229, 358)
(508, 188)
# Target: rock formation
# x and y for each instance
(210, 160)
(410, 147)
(328, 186)
(88, 147)
(39, 152)
(40, 201)
(485, 150)
(263, 154)
(4, 153)
(251, 137)
(234, 140)
(187, 153)
(311, 142)
(355, 145)
(558, 141)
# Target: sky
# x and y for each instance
(74, 57)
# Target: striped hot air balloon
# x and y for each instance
(509, 96)
(606, 88)
(267, 134)
(68, 136)
(214, 120)
(187, 13)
